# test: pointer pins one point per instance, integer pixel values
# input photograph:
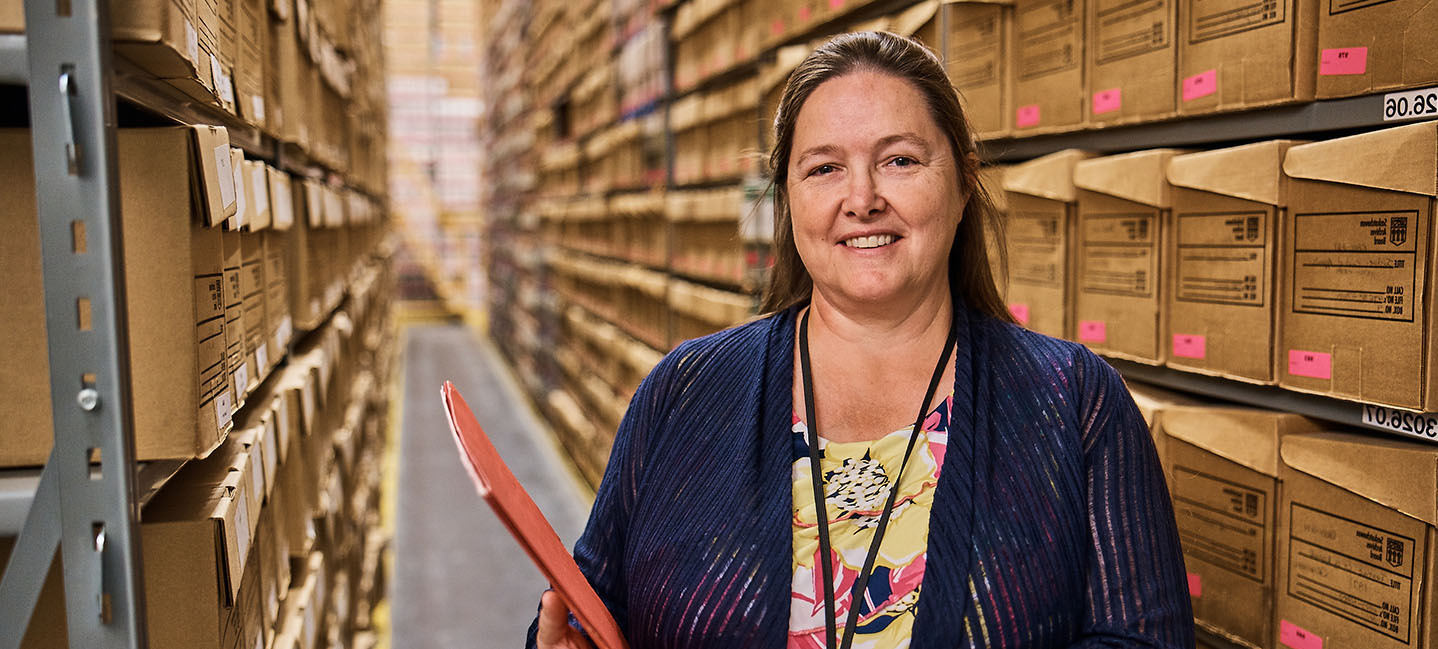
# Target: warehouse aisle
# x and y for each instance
(460, 580)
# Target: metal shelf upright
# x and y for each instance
(85, 500)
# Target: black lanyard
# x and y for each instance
(821, 506)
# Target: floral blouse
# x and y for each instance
(858, 483)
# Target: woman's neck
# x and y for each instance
(892, 334)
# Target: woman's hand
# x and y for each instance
(554, 630)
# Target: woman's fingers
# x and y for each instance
(553, 621)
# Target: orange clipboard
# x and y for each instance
(497, 484)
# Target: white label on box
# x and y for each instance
(262, 189)
(257, 472)
(242, 378)
(1413, 104)
(216, 74)
(226, 175)
(1417, 424)
(242, 525)
(271, 449)
(241, 202)
(257, 107)
(282, 427)
(192, 42)
(223, 407)
(286, 331)
(262, 356)
(285, 209)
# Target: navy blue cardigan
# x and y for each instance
(1051, 524)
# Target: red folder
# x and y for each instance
(497, 484)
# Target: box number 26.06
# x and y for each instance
(1413, 104)
(1398, 421)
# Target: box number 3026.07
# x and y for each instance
(1398, 421)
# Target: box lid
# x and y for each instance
(1398, 474)
(1152, 400)
(1252, 172)
(1401, 159)
(217, 179)
(1141, 176)
(1051, 176)
(1247, 436)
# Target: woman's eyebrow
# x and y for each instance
(823, 149)
(906, 138)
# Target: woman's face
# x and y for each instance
(874, 192)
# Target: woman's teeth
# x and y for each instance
(871, 241)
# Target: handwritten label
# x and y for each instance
(1343, 60)
(1092, 331)
(1316, 365)
(223, 409)
(1020, 311)
(1189, 346)
(1027, 116)
(1202, 84)
(1107, 101)
(1296, 637)
(226, 176)
(1195, 585)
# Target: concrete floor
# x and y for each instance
(459, 579)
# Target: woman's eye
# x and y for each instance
(822, 170)
(903, 161)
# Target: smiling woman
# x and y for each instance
(775, 483)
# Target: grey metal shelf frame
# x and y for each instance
(84, 500)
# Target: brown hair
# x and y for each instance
(970, 278)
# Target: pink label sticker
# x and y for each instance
(1189, 346)
(836, 4)
(1343, 60)
(1020, 311)
(1093, 331)
(1107, 101)
(1027, 116)
(1202, 84)
(777, 27)
(1317, 365)
(805, 14)
(1195, 585)
(1296, 637)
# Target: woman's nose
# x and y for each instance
(864, 199)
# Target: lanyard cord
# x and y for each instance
(816, 477)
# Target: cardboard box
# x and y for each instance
(26, 427)
(1123, 212)
(1368, 46)
(977, 43)
(47, 622)
(1223, 285)
(288, 76)
(251, 42)
(1224, 481)
(12, 16)
(1050, 92)
(1041, 238)
(182, 399)
(1237, 54)
(304, 607)
(1356, 543)
(1132, 56)
(160, 36)
(1355, 316)
(201, 570)
(277, 305)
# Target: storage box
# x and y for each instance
(161, 37)
(1050, 93)
(1042, 201)
(1373, 45)
(1240, 54)
(181, 394)
(1223, 286)
(277, 300)
(1224, 469)
(1355, 316)
(1123, 212)
(12, 16)
(1356, 548)
(977, 43)
(251, 44)
(201, 572)
(1152, 402)
(1132, 56)
(26, 427)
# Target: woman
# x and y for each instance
(1030, 510)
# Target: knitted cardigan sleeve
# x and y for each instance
(1137, 592)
